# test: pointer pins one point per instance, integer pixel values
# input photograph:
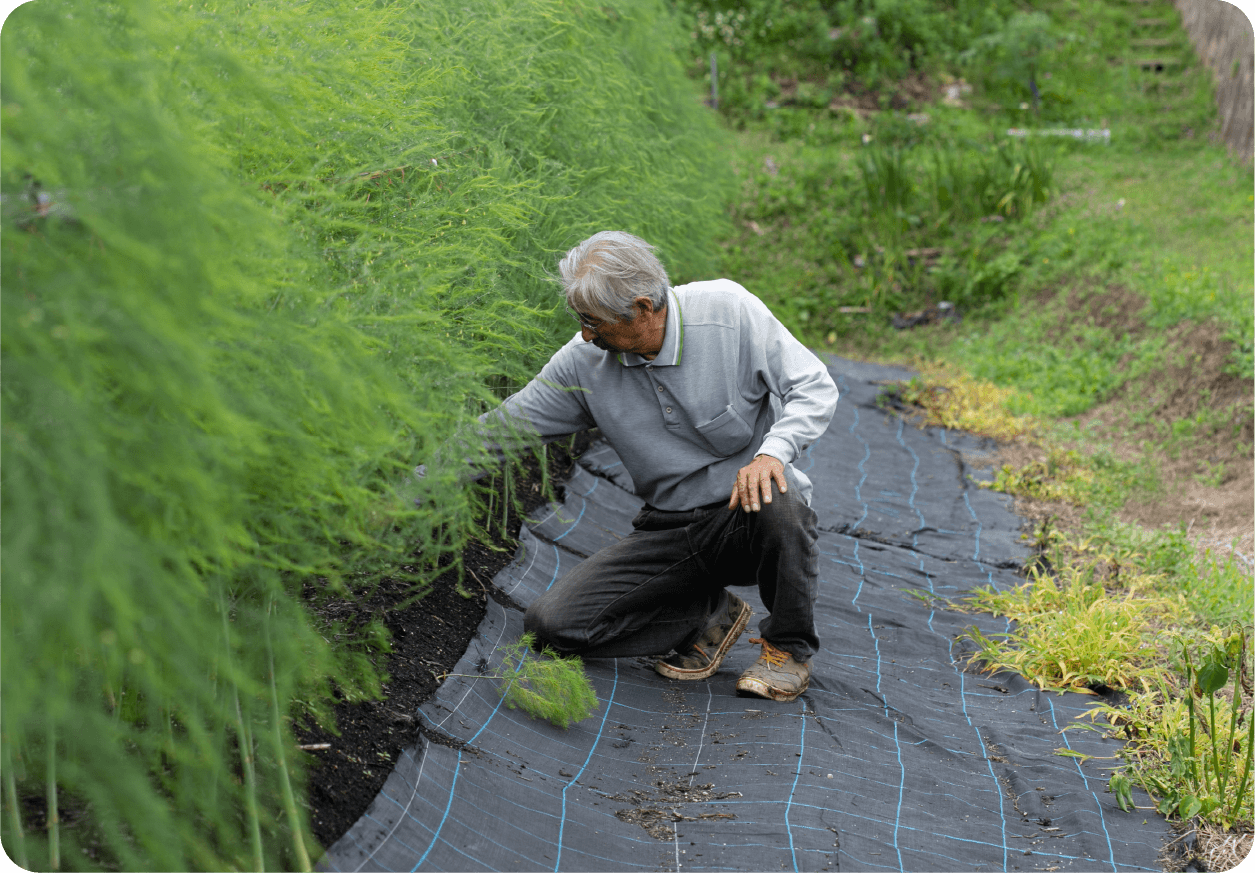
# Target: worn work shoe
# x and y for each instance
(776, 675)
(702, 658)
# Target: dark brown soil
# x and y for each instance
(428, 638)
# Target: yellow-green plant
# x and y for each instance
(1070, 635)
(548, 685)
(1063, 476)
(951, 398)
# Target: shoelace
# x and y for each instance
(772, 655)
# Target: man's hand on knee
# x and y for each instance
(752, 487)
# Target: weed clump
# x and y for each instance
(1192, 742)
(1070, 634)
(547, 685)
(950, 398)
(1119, 613)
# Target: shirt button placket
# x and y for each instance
(662, 390)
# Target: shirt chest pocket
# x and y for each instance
(727, 433)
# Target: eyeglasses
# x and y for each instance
(585, 321)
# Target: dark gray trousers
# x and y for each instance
(656, 589)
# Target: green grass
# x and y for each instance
(1160, 211)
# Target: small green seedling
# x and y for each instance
(548, 685)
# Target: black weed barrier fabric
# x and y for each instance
(897, 758)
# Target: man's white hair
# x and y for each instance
(603, 275)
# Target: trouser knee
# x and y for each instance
(546, 626)
(786, 517)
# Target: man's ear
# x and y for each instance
(643, 305)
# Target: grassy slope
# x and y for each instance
(1119, 315)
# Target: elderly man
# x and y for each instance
(708, 400)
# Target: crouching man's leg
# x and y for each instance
(647, 594)
(780, 544)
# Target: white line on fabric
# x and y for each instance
(405, 812)
(527, 569)
(552, 513)
(702, 741)
(469, 685)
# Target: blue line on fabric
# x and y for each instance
(945, 836)
(576, 523)
(1101, 818)
(597, 739)
(557, 565)
(963, 694)
(979, 528)
(457, 768)
(789, 806)
(989, 575)
(858, 489)
(532, 809)
(405, 810)
(809, 457)
(452, 787)
(471, 687)
(914, 486)
(897, 819)
(989, 763)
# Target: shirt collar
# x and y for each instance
(672, 341)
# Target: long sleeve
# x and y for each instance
(549, 406)
(808, 394)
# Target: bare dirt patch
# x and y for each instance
(1196, 422)
(675, 800)
(1112, 308)
(1186, 414)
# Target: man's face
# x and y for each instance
(640, 335)
(609, 336)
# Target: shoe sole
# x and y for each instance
(758, 688)
(738, 628)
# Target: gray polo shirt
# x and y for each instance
(729, 383)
